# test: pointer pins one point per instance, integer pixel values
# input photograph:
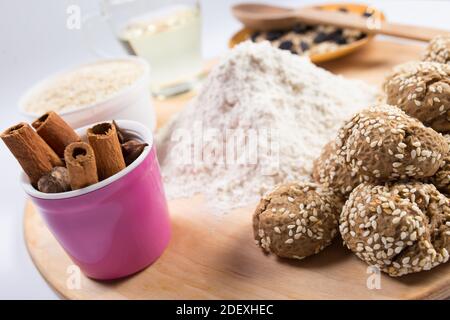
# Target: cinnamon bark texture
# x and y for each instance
(33, 153)
(108, 154)
(80, 162)
(55, 131)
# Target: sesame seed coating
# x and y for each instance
(411, 231)
(441, 179)
(330, 171)
(422, 90)
(312, 228)
(383, 143)
(438, 50)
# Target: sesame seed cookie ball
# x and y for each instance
(330, 171)
(400, 227)
(296, 220)
(422, 90)
(438, 50)
(441, 179)
(382, 143)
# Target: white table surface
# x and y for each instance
(36, 42)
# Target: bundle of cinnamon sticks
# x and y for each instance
(55, 159)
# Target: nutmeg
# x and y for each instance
(57, 180)
(131, 150)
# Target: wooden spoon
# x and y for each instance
(267, 17)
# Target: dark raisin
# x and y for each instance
(255, 35)
(340, 40)
(361, 36)
(304, 46)
(301, 28)
(367, 14)
(286, 45)
(337, 36)
(320, 37)
(274, 35)
(336, 33)
(343, 9)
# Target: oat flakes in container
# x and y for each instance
(94, 92)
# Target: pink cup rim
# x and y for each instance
(133, 127)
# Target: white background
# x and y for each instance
(34, 42)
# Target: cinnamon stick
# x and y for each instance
(33, 153)
(55, 131)
(80, 162)
(108, 154)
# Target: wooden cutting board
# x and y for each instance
(214, 257)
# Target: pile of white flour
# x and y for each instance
(261, 118)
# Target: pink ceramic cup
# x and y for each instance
(116, 227)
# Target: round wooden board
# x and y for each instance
(214, 257)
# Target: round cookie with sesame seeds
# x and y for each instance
(438, 50)
(400, 227)
(296, 220)
(441, 179)
(330, 171)
(422, 90)
(383, 143)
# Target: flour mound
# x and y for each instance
(292, 106)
